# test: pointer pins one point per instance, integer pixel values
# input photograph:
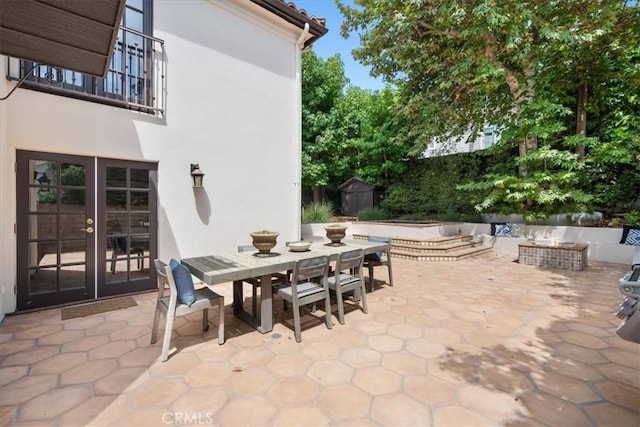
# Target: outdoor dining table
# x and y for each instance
(238, 266)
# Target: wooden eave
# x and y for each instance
(290, 13)
(71, 34)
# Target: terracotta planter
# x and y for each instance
(264, 241)
(335, 232)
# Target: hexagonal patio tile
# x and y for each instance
(85, 413)
(344, 401)
(385, 343)
(455, 416)
(492, 403)
(404, 363)
(398, 409)
(604, 413)
(12, 373)
(26, 388)
(177, 363)
(429, 390)
(118, 381)
(249, 382)
(84, 343)
(425, 348)
(208, 374)
(360, 357)
(321, 351)
(553, 411)
(371, 327)
(289, 364)
(54, 403)
(37, 332)
(201, 400)
(294, 391)
(111, 350)
(58, 363)
(61, 337)
(157, 392)
(328, 372)
(89, 371)
(247, 411)
(14, 346)
(303, 416)
(377, 380)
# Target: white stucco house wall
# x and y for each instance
(223, 86)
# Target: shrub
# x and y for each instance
(429, 186)
(317, 212)
(373, 214)
(632, 219)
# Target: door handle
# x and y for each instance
(87, 230)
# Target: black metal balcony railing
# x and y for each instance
(135, 80)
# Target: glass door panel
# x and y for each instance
(55, 248)
(128, 242)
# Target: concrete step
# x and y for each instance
(442, 248)
(445, 256)
(421, 241)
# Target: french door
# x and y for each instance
(85, 228)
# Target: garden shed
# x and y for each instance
(356, 195)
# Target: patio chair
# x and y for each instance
(119, 247)
(255, 282)
(348, 277)
(303, 290)
(379, 259)
(171, 307)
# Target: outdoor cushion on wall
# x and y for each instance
(633, 237)
(501, 229)
(626, 229)
(184, 282)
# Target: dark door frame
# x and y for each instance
(96, 285)
(27, 300)
(104, 286)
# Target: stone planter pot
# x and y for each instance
(264, 241)
(335, 233)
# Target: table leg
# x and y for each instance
(238, 309)
(266, 305)
(238, 297)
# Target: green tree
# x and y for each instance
(510, 63)
(347, 131)
(381, 154)
(322, 86)
(363, 133)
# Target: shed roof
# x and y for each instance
(355, 179)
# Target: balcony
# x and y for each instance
(135, 80)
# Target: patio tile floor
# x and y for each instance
(482, 342)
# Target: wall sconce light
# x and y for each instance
(197, 175)
(42, 179)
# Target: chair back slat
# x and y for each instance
(349, 260)
(311, 268)
(163, 280)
